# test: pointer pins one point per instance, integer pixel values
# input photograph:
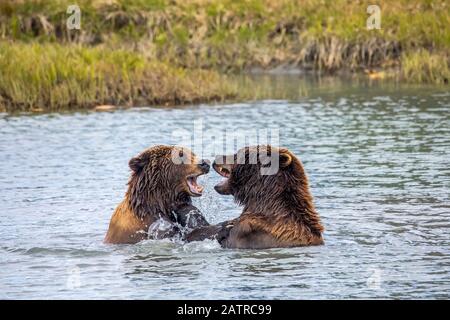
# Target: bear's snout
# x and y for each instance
(205, 165)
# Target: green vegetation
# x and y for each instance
(179, 37)
(51, 77)
(422, 66)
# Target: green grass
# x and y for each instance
(123, 44)
(240, 34)
(422, 66)
(52, 77)
(240, 26)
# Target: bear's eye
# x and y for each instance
(182, 156)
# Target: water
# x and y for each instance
(377, 156)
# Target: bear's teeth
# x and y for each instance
(224, 172)
(193, 186)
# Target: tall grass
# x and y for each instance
(51, 77)
(153, 51)
(327, 35)
(423, 66)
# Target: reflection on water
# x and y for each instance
(378, 161)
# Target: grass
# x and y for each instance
(52, 77)
(237, 35)
(422, 66)
(176, 37)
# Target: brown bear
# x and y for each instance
(278, 206)
(158, 202)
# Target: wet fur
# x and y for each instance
(278, 209)
(154, 192)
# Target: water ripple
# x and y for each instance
(378, 162)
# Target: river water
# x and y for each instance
(377, 156)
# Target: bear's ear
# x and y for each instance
(137, 163)
(285, 158)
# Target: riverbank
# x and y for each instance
(179, 41)
(49, 77)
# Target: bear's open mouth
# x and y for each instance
(194, 187)
(224, 172)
